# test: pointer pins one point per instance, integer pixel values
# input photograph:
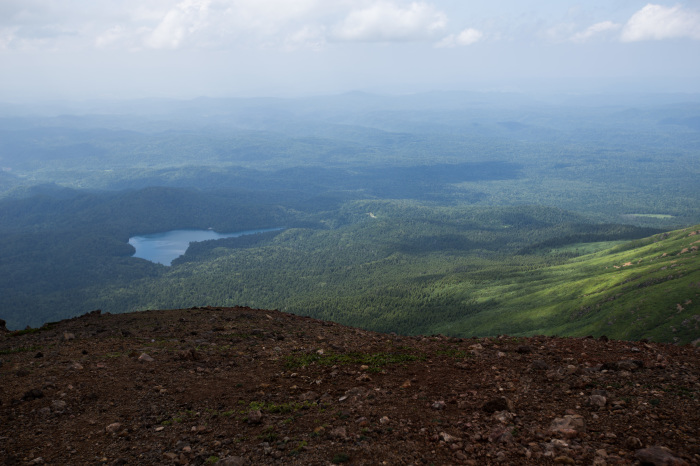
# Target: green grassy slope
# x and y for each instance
(412, 269)
(647, 288)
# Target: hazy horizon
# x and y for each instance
(185, 49)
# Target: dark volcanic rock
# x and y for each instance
(498, 404)
(250, 387)
(658, 456)
(33, 394)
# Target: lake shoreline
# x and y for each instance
(163, 248)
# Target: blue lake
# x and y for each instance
(163, 248)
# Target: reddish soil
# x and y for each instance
(244, 386)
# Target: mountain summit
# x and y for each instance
(237, 386)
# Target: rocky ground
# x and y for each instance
(243, 386)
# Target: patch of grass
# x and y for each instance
(268, 435)
(20, 350)
(453, 353)
(240, 336)
(27, 331)
(296, 450)
(375, 361)
(339, 458)
(278, 408)
(212, 460)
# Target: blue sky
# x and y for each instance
(77, 49)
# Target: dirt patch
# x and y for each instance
(245, 386)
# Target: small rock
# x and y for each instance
(33, 394)
(309, 396)
(254, 417)
(232, 461)
(539, 365)
(564, 460)
(363, 422)
(449, 438)
(439, 405)
(498, 404)
(630, 365)
(501, 435)
(187, 355)
(58, 406)
(504, 417)
(68, 336)
(113, 428)
(145, 358)
(384, 420)
(658, 456)
(339, 433)
(633, 443)
(597, 401)
(570, 425)
(523, 349)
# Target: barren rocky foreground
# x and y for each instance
(240, 386)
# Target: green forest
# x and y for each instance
(424, 214)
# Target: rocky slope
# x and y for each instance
(242, 386)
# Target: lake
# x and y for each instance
(163, 248)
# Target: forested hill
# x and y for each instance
(466, 214)
(383, 275)
(392, 266)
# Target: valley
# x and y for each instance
(413, 215)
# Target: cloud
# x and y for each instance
(187, 18)
(215, 24)
(306, 38)
(595, 30)
(657, 22)
(389, 22)
(467, 37)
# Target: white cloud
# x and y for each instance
(187, 18)
(215, 24)
(595, 30)
(657, 22)
(467, 37)
(306, 38)
(389, 22)
(7, 37)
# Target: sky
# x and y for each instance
(115, 49)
